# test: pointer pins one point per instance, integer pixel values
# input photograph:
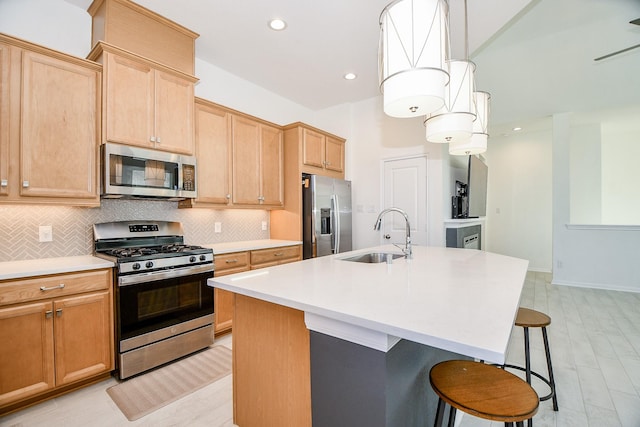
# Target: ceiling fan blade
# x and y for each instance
(635, 21)
(617, 52)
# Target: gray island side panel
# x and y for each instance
(354, 385)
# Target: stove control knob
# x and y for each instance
(192, 259)
(202, 257)
(149, 264)
(136, 266)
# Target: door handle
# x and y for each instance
(387, 236)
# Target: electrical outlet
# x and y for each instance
(217, 227)
(45, 233)
(264, 225)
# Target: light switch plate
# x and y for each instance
(264, 225)
(45, 233)
(217, 227)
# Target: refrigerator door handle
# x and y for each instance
(335, 210)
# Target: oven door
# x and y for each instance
(171, 305)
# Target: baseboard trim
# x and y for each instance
(594, 286)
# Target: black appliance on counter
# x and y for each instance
(163, 306)
(459, 205)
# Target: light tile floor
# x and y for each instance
(595, 348)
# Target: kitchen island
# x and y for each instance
(336, 342)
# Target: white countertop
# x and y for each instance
(461, 300)
(248, 245)
(44, 266)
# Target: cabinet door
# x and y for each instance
(213, 150)
(129, 94)
(271, 166)
(4, 118)
(246, 161)
(334, 155)
(223, 310)
(26, 353)
(173, 113)
(83, 338)
(312, 148)
(59, 129)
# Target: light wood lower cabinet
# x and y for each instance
(225, 264)
(53, 339)
(237, 262)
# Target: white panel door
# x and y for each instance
(405, 187)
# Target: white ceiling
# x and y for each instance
(534, 56)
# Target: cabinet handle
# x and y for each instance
(152, 139)
(48, 314)
(59, 312)
(278, 254)
(4, 183)
(60, 286)
(228, 196)
(158, 139)
(231, 261)
(25, 184)
(261, 198)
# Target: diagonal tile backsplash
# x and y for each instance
(73, 227)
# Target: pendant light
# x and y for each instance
(454, 121)
(478, 142)
(412, 57)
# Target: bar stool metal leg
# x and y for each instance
(439, 413)
(550, 369)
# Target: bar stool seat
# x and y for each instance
(482, 390)
(528, 318)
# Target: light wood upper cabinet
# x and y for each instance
(213, 151)
(50, 105)
(307, 150)
(146, 104)
(129, 102)
(334, 155)
(257, 165)
(322, 153)
(58, 128)
(4, 118)
(54, 337)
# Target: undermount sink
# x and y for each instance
(374, 257)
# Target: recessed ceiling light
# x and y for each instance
(277, 24)
(350, 76)
(516, 129)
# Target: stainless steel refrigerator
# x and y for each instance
(326, 216)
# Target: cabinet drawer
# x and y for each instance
(236, 261)
(278, 255)
(43, 287)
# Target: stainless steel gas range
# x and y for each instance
(163, 306)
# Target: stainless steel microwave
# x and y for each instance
(134, 172)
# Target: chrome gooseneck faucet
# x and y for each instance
(407, 246)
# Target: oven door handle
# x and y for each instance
(164, 274)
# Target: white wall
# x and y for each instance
(53, 24)
(621, 172)
(585, 172)
(590, 256)
(519, 197)
(375, 137)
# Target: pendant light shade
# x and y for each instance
(478, 142)
(454, 121)
(412, 57)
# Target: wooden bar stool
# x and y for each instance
(528, 318)
(482, 390)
